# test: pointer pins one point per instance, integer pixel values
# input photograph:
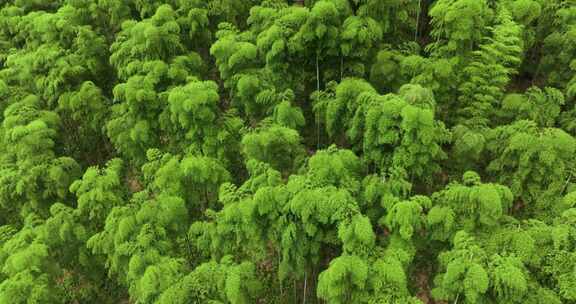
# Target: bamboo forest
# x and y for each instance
(288, 151)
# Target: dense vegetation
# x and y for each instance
(277, 151)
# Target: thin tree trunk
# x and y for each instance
(189, 249)
(418, 21)
(317, 71)
(295, 291)
(207, 200)
(341, 67)
(305, 287)
(318, 90)
(281, 281)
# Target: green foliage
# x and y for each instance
(406, 217)
(312, 210)
(359, 36)
(288, 116)
(276, 145)
(287, 151)
(540, 106)
(319, 34)
(340, 110)
(468, 206)
(458, 25)
(343, 280)
(533, 162)
(156, 38)
(465, 272)
(195, 179)
(400, 133)
(137, 121)
(88, 103)
(388, 129)
(437, 74)
(213, 282)
(557, 32)
(138, 239)
(194, 109)
(487, 75)
(398, 19)
(32, 173)
(386, 74)
(99, 191)
(27, 270)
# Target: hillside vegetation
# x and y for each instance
(279, 151)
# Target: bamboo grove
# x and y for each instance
(276, 151)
